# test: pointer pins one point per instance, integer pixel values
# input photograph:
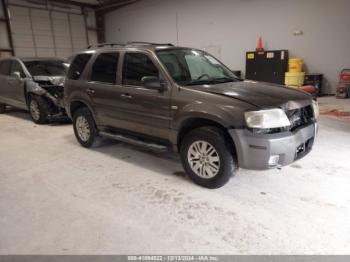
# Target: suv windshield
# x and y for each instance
(46, 68)
(194, 67)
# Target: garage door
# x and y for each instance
(44, 33)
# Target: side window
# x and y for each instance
(136, 66)
(16, 67)
(5, 67)
(78, 65)
(104, 68)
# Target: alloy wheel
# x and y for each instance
(34, 110)
(83, 128)
(203, 159)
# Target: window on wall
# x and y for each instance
(78, 65)
(136, 66)
(104, 68)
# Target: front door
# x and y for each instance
(144, 110)
(16, 83)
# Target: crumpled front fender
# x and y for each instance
(34, 88)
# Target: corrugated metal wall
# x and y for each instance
(48, 30)
(5, 42)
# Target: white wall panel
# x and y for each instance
(233, 27)
(4, 40)
(45, 52)
(78, 30)
(24, 51)
(62, 35)
(22, 33)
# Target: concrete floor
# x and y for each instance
(59, 198)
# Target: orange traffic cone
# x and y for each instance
(260, 47)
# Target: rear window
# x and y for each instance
(77, 66)
(104, 68)
(5, 67)
(46, 68)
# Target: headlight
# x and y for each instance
(271, 118)
(315, 108)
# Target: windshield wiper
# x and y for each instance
(224, 79)
(198, 82)
(211, 81)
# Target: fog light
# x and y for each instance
(273, 161)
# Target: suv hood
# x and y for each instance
(260, 94)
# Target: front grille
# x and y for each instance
(300, 117)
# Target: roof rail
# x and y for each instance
(106, 44)
(148, 43)
(128, 43)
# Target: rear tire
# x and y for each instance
(84, 127)
(38, 109)
(2, 108)
(207, 157)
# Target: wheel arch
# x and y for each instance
(75, 105)
(190, 124)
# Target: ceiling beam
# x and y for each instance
(111, 5)
(72, 2)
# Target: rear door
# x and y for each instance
(5, 68)
(103, 89)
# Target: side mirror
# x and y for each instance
(153, 82)
(16, 75)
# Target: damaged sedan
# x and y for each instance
(33, 84)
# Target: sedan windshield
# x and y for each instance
(46, 68)
(194, 67)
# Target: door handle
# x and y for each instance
(126, 96)
(90, 91)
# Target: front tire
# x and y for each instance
(38, 109)
(84, 127)
(207, 157)
(2, 108)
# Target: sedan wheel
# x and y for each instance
(34, 110)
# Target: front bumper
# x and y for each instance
(255, 151)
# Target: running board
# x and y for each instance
(135, 141)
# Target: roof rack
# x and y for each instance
(128, 43)
(106, 44)
(149, 43)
